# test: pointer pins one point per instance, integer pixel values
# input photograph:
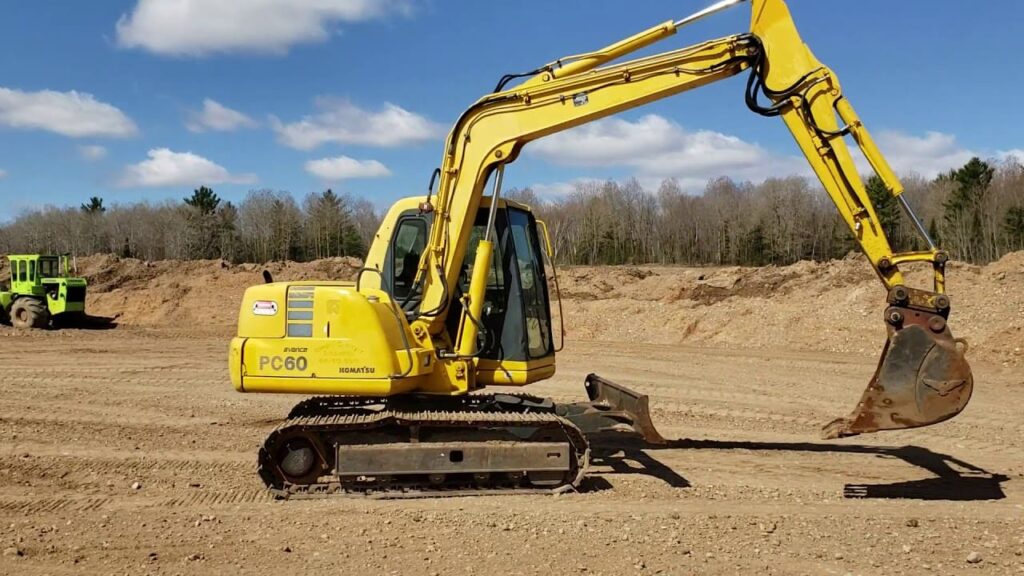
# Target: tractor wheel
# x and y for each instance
(29, 313)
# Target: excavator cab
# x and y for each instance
(514, 341)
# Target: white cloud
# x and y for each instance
(3, 173)
(92, 152)
(657, 148)
(928, 155)
(555, 190)
(201, 27)
(168, 168)
(74, 114)
(344, 168)
(218, 118)
(1017, 154)
(342, 122)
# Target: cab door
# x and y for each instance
(516, 345)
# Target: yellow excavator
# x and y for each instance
(454, 296)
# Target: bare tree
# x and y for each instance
(976, 211)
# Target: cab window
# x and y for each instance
(500, 309)
(48, 268)
(516, 322)
(409, 243)
(533, 284)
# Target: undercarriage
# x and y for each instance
(413, 446)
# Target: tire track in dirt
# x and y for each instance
(148, 422)
(63, 467)
(220, 498)
(80, 504)
(53, 504)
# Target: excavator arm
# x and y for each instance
(922, 377)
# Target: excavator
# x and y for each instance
(455, 298)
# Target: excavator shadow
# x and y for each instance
(953, 479)
(626, 459)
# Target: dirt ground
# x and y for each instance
(126, 451)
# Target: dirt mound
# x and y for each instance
(201, 295)
(832, 306)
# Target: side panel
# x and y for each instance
(325, 339)
(75, 289)
(514, 373)
(262, 314)
(64, 295)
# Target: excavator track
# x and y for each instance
(478, 444)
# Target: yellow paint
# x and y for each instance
(475, 301)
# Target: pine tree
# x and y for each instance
(886, 207)
(203, 230)
(353, 243)
(204, 200)
(933, 231)
(95, 206)
(1013, 227)
(964, 208)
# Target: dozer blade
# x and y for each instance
(613, 412)
(922, 378)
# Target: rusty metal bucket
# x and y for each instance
(922, 378)
(614, 412)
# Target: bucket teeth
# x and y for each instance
(922, 378)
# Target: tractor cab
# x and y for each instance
(41, 287)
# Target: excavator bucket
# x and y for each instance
(922, 378)
(613, 412)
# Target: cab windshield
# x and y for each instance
(49, 268)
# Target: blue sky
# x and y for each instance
(146, 99)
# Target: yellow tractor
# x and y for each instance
(454, 297)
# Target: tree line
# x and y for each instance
(975, 211)
(267, 225)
